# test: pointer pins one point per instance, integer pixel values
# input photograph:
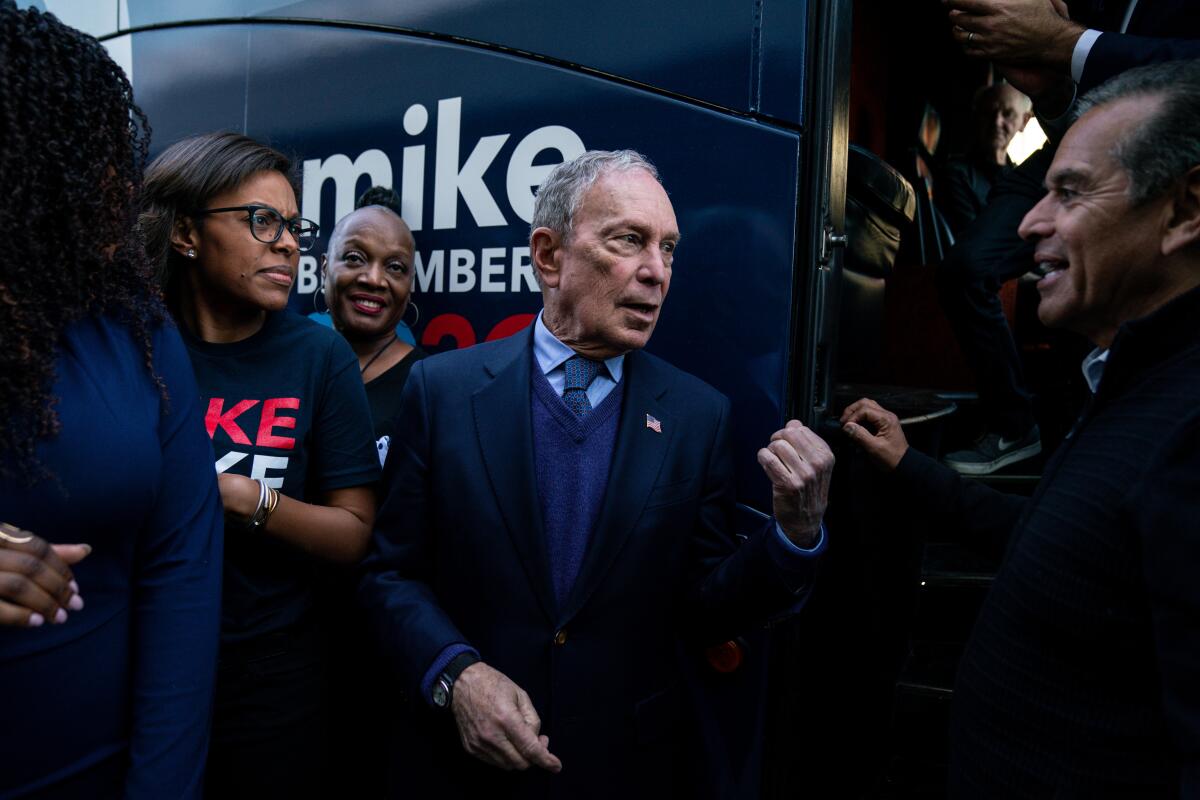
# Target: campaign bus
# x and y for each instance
(745, 107)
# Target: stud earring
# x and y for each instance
(191, 253)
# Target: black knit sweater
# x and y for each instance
(1081, 678)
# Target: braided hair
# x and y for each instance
(72, 148)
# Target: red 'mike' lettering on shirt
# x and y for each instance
(215, 418)
(269, 420)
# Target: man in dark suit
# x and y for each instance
(1055, 51)
(1080, 677)
(558, 521)
(1053, 57)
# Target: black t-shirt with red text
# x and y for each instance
(286, 405)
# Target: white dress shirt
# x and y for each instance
(1093, 368)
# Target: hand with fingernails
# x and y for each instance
(799, 465)
(497, 722)
(877, 431)
(1015, 32)
(36, 582)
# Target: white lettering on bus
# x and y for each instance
(453, 178)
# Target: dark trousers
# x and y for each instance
(988, 253)
(363, 699)
(269, 732)
(104, 780)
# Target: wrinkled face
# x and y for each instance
(614, 270)
(368, 273)
(1104, 254)
(1002, 114)
(232, 267)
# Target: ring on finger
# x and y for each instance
(12, 534)
(970, 36)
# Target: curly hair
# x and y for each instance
(72, 148)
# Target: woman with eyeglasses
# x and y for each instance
(291, 434)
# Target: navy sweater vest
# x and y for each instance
(571, 457)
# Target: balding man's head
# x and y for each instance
(1000, 113)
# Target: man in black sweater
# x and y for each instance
(998, 113)
(1051, 56)
(1081, 678)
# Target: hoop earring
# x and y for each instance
(320, 292)
(416, 317)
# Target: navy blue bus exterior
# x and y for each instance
(463, 108)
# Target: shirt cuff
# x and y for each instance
(448, 654)
(787, 553)
(1079, 55)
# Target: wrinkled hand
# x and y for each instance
(497, 722)
(799, 465)
(881, 438)
(1017, 32)
(36, 583)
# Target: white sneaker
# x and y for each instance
(992, 452)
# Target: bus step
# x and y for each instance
(948, 564)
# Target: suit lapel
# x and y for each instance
(505, 432)
(637, 458)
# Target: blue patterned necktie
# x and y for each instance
(580, 373)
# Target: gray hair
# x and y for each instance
(559, 196)
(1160, 150)
(984, 93)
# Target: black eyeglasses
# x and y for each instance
(267, 224)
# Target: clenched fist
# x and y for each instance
(799, 465)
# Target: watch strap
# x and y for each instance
(457, 665)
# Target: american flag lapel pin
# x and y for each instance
(653, 424)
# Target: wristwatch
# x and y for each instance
(443, 687)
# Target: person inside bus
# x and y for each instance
(1052, 57)
(1079, 677)
(998, 113)
(367, 276)
(101, 443)
(292, 440)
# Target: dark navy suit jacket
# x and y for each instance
(1159, 30)
(459, 557)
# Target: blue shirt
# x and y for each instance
(551, 354)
